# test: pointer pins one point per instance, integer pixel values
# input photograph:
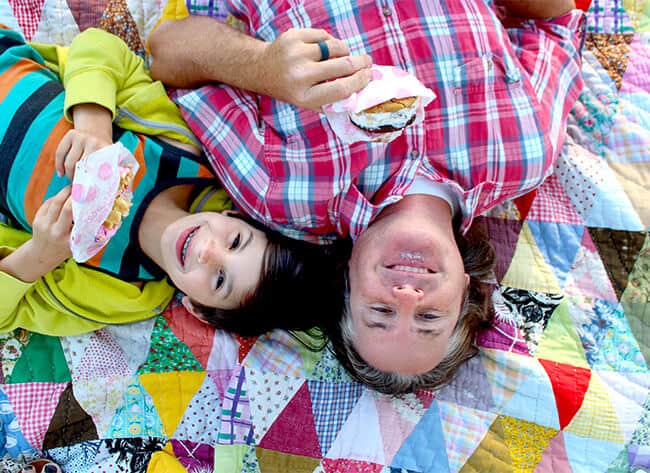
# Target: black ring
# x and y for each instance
(324, 50)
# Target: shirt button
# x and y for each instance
(386, 11)
(414, 154)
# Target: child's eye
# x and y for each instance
(235, 243)
(220, 280)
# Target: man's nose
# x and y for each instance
(209, 253)
(407, 296)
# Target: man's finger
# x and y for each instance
(339, 89)
(341, 67)
(334, 48)
(311, 35)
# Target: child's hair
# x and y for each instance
(300, 287)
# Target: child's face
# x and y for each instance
(214, 259)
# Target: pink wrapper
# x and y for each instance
(388, 82)
(94, 189)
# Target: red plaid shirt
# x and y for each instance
(492, 133)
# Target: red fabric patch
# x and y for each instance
(570, 383)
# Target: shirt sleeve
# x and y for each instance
(226, 120)
(549, 51)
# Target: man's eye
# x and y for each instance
(429, 316)
(381, 310)
(220, 280)
(235, 243)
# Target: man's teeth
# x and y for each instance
(187, 244)
(410, 269)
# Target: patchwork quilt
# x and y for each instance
(561, 383)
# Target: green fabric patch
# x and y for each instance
(167, 353)
(42, 361)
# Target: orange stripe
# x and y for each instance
(11, 76)
(205, 172)
(43, 171)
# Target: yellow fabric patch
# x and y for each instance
(171, 393)
(560, 341)
(492, 453)
(528, 269)
(270, 460)
(526, 441)
(229, 458)
(165, 461)
(596, 418)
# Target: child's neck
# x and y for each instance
(167, 207)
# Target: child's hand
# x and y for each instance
(76, 145)
(51, 228)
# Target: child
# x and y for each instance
(234, 273)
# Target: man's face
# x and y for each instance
(407, 283)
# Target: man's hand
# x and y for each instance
(92, 131)
(291, 69)
(50, 242)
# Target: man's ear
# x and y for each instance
(187, 303)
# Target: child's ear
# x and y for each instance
(187, 303)
(230, 213)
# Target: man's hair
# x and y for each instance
(295, 292)
(476, 314)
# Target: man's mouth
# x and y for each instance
(183, 244)
(410, 269)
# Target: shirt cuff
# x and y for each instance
(90, 87)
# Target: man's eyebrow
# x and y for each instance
(430, 333)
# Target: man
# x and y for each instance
(493, 132)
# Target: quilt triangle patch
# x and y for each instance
(531, 312)
(328, 368)
(424, 449)
(613, 209)
(278, 352)
(100, 398)
(269, 394)
(102, 358)
(587, 276)
(619, 251)
(117, 19)
(223, 356)
(134, 341)
(553, 204)
(331, 406)
(232, 457)
(529, 270)
(293, 430)
(87, 14)
(554, 459)
(70, 424)
(42, 360)
(34, 405)
(136, 416)
(201, 419)
(470, 387)
(343, 465)
(398, 417)
(570, 383)
(236, 426)
(628, 394)
(629, 174)
(597, 418)
(526, 441)
(492, 453)
(28, 15)
(505, 371)
(360, 437)
(560, 341)
(600, 453)
(534, 385)
(559, 243)
(525, 202)
(57, 25)
(167, 353)
(7, 15)
(271, 460)
(196, 335)
(245, 345)
(74, 348)
(192, 456)
(503, 234)
(464, 428)
(171, 393)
